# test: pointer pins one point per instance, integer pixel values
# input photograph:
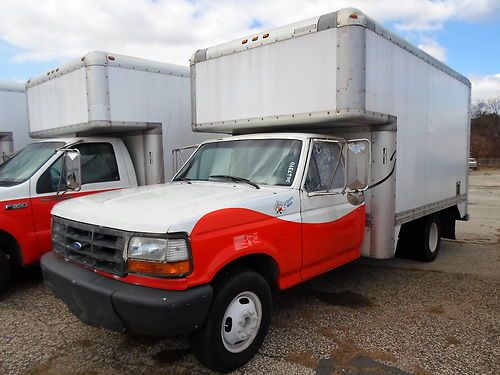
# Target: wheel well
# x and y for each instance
(10, 246)
(261, 263)
(447, 218)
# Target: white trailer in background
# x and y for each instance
(14, 134)
(124, 115)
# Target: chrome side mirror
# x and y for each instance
(358, 157)
(72, 170)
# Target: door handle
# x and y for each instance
(16, 206)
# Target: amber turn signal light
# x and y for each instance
(159, 268)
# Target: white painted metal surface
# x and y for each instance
(59, 102)
(289, 77)
(14, 134)
(432, 122)
(106, 93)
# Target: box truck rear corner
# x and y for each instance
(14, 133)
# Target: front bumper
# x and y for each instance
(122, 307)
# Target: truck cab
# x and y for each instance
(274, 205)
(31, 184)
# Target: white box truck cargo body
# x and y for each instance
(124, 115)
(14, 134)
(344, 74)
(109, 94)
(337, 100)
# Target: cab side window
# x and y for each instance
(98, 162)
(326, 168)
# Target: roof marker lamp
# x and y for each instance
(164, 257)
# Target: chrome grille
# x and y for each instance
(93, 246)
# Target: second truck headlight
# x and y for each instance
(159, 256)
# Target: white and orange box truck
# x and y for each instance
(319, 112)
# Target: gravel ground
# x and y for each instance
(369, 317)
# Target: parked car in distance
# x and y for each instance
(473, 164)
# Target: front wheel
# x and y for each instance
(237, 322)
(5, 270)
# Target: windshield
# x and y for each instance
(25, 163)
(261, 161)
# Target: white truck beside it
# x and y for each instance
(320, 111)
(14, 133)
(123, 115)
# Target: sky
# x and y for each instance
(38, 35)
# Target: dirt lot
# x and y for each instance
(370, 317)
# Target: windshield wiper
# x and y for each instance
(185, 179)
(8, 183)
(236, 179)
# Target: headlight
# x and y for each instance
(159, 256)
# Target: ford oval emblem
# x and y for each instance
(77, 245)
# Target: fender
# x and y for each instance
(19, 225)
(223, 236)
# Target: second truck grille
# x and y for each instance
(92, 246)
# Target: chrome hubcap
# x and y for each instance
(241, 322)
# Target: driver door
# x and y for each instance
(332, 228)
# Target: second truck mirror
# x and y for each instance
(358, 164)
(72, 169)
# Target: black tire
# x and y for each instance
(5, 270)
(415, 239)
(404, 245)
(208, 345)
(427, 240)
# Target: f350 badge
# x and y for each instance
(281, 207)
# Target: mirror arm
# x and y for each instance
(63, 164)
(336, 166)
